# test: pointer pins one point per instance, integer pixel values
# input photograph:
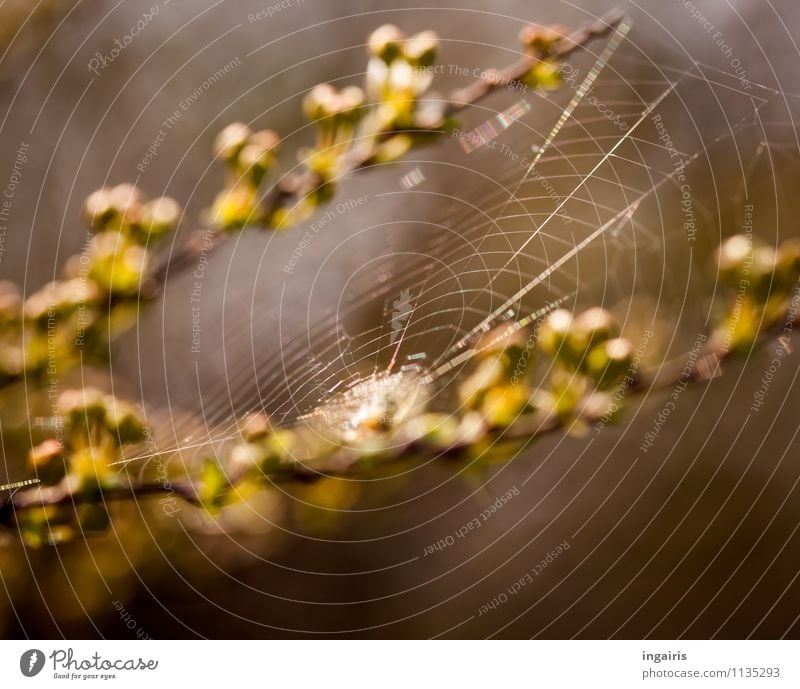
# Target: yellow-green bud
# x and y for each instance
(540, 40)
(126, 201)
(255, 426)
(269, 450)
(258, 155)
(123, 421)
(489, 372)
(117, 265)
(267, 139)
(12, 363)
(420, 50)
(40, 304)
(503, 404)
(320, 102)
(47, 461)
(82, 409)
(214, 485)
(609, 361)
(593, 326)
(384, 42)
(324, 101)
(501, 339)
(351, 103)
(10, 302)
(246, 456)
(235, 208)
(160, 217)
(597, 405)
(59, 299)
(731, 256)
(789, 255)
(231, 140)
(431, 428)
(545, 74)
(554, 335)
(98, 210)
(76, 293)
(762, 270)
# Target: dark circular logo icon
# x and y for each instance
(31, 662)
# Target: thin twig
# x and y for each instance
(297, 185)
(705, 367)
(513, 73)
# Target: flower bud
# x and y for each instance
(593, 326)
(267, 139)
(488, 373)
(76, 293)
(268, 453)
(540, 40)
(98, 210)
(10, 303)
(235, 208)
(123, 421)
(74, 266)
(12, 363)
(731, 257)
(214, 485)
(255, 426)
(324, 101)
(597, 405)
(46, 460)
(509, 346)
(384, 42)
(471, 428)
(117, 265)
(609, 361)
(553, 338)
(430, 113)
(258, 155)
(246, 456)
(126, 203)
(789, 256)
(351, 103)
(762, 271)
(320, 102)
(90, 467)
(420, 50)
(160, 217)
(502, 405)
(82, 409)
(545, 74)
(59, 299)
(231, 140)
(431, 428)
(499, 340)
(39, 305)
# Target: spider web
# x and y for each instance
(573, 198)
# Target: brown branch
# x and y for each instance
(62, 495)
(705, 367)
(298, 185)
(513, 73)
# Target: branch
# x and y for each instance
(298, 185)
(533, 426)
(513, 73)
